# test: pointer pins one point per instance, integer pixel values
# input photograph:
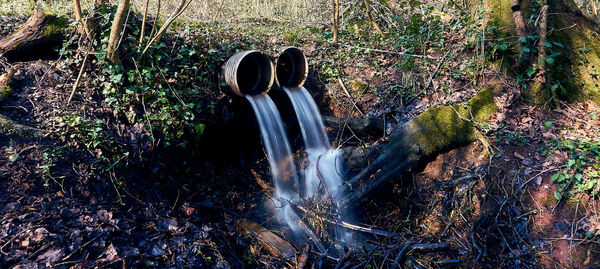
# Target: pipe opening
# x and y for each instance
(248, 73)
(291, 68)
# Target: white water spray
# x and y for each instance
(279, 156)
(324, 162)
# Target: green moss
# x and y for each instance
(442, 127)
(549, 201)
(4, 92)
(483, 105)
(358, 86)
(55, 26)
(580, 72)
(501, 14)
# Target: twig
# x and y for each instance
(143, 102)
(345, 258)
(400, 256)
(134, 198)
(176, 200)
(303, 260)
(78, 78)
(14, 237)
(81, 247)
(306, 229)
(350, 97)
(155, 19)
(437, 68)
(143, 24)
(182, 6)
(345, 224)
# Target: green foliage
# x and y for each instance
(581, 173)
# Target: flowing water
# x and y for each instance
(277, 147)
(324, 162)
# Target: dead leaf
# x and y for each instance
(518, 155)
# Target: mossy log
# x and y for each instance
(434, 131)
(10, 128)
(37, 38)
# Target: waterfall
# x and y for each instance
(324, 162)
(277, 146)
(279, 156)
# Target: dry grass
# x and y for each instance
(300, 12)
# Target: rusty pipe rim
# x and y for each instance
(248, 73)
(291, 68)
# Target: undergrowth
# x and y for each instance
(581, 173)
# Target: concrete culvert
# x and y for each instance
(291, 68)
(248, 73)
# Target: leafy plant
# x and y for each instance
(582, 171)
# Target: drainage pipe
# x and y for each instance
(248, 73)
(291, 68)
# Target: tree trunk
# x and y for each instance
(572, 49)
(575, 70)
(334, 19)
(36, 39)
(116, 30)
(436, 130)
(86, 27)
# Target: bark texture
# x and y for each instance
(116, 30)
(572, 74)
(37, 38)
(436, 130)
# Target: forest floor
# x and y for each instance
(497, 202)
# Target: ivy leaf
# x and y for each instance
(13, 157)
(558, 195)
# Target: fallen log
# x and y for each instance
(361, 127)
(9, 127)
(434, 131)
(36, 39)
